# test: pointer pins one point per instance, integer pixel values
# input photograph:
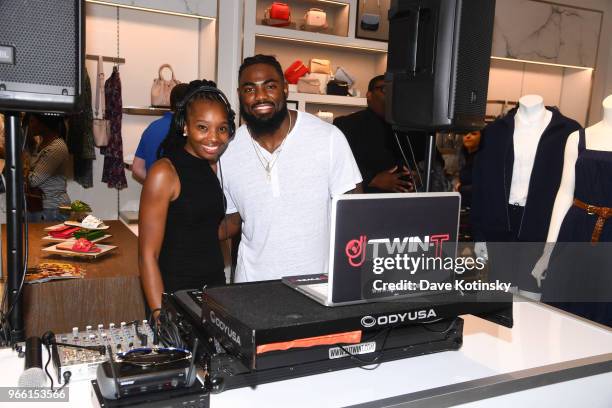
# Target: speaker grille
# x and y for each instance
(473, 59)
(44, 35)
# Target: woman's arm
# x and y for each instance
(161, 187)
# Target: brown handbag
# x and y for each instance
(160, 91)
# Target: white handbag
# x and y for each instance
(315, 18)
(326, 116)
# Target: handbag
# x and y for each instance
(370, 21)
(320, 66)
(278, 15)
(326, 116)
(295, 71)
(160, 91)
(101, 126)
(323, 80)
(315, 18)
(309, 85)
(335, 87)
(343, 75)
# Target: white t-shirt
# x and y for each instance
(285, 229)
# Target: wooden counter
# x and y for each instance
(110, 291)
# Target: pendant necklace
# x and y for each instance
(268, 165)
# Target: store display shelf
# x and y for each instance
(327, 3)
(319, 39)
(144, 110)
(303, 98)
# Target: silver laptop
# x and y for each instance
(376, 241)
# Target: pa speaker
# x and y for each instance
(42, 44)
(438, 64)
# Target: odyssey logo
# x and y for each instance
(384, 320)
(356, 249)
(225, 328)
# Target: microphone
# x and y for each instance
(33, 374)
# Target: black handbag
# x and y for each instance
(336, 87)
(370, 21)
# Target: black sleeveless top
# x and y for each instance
(190, 255)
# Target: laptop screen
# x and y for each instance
(382, 242)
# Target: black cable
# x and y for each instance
(47, 365)
(380, 353)
(416, 165)
(26, 256)
(450, 326)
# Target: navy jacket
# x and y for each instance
(492, 178)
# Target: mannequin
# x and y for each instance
(529, 122)
(597, 151)
(516, 177)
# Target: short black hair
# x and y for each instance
(176, 95)
(373, 82)
(262, 59)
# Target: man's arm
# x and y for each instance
(139, 170)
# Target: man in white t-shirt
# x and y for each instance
(279, 174)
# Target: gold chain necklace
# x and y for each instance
(269, 164)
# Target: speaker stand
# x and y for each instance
(14, 219)
(431, 145)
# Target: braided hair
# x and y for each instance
(196, 90)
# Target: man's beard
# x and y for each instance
(262, 126)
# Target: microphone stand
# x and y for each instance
(14, 219)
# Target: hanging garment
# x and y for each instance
(114, 170)
(80, 137)
(579, 276)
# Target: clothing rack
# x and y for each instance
(506, 105)
(106, 59)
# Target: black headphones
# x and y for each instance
(182, 105)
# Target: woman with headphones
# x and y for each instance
(182, 202)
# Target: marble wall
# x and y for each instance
(206, 8)
(546, 32)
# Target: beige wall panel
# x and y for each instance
(543, 80)
(575, 94)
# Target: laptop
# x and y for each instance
(383, 245)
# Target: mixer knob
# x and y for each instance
(111, 326)
(75, 332)
(88, 328)
(92, 337)
(122, 324)
(100, 326)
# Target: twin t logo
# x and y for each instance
(355, 251)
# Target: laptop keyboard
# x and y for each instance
(319, 288)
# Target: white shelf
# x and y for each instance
(319, 39)
(304, 98)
